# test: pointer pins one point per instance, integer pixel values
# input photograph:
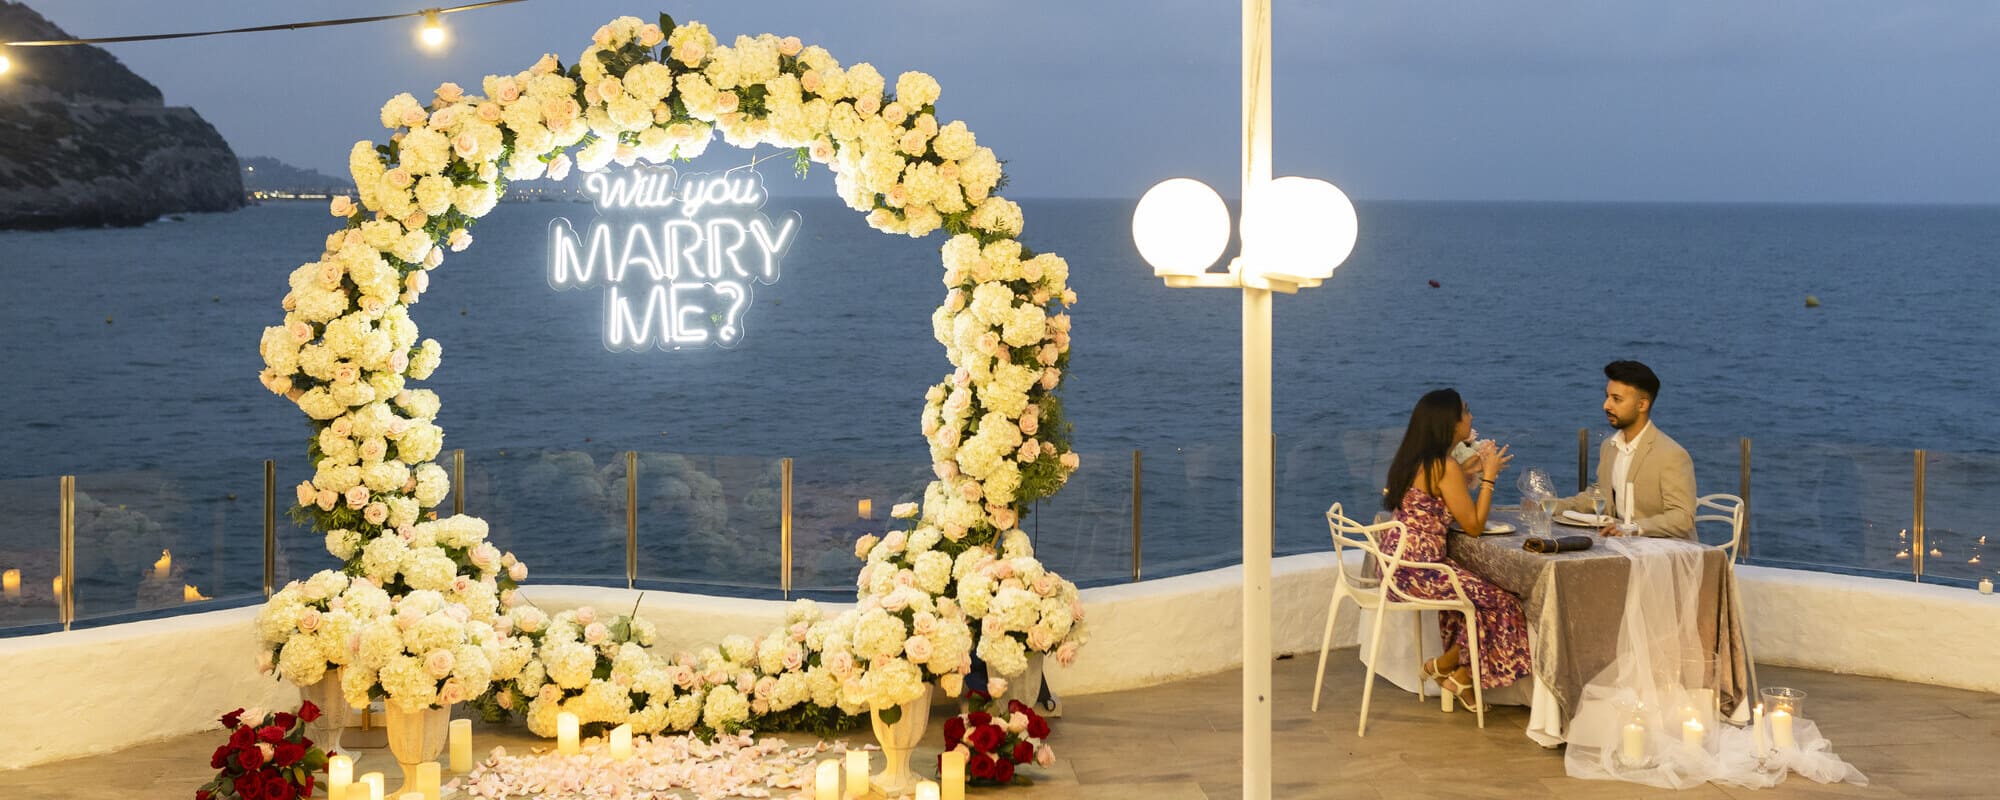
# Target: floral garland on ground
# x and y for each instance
(348, 347)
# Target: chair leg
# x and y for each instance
(1325, 642)
(1472, 654)
(1749, 657)
(1417, 633)
(1368, 681)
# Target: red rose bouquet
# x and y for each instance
(266, 759)
(998, 742)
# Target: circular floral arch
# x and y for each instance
(414, 586)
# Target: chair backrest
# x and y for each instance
(1348, 533)
(1726, 509)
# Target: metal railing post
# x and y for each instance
(1138, 484)
(270, 525)
(631, 518)
(1917, 550)
(1582, 459)
(458, 481)
(66, 530)
(1743, 491)
(785, 527)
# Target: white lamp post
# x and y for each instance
(1295, 231)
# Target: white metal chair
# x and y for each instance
(1728, 509)
(1382, 596)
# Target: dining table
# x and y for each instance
(1574, 603)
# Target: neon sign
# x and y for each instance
(700, 243)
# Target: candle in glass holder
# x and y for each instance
(621, 742)
(191, 593)
(566, 734)
(1691, 733)
(866, 508)
(857, 773)
(1633, 743)
(373, 781)
(56, 586)
(461, 746)
(339, 775)
(826, 780)
(430, 784)
(1985, 586)
(10, 581)
(927, 790)
(165, 564)
(1781, 730)
(951, 773)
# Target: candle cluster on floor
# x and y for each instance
(731, 766)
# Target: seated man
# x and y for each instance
(1658, 471)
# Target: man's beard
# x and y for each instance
(1621, 424)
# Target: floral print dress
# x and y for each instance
(1503, 629)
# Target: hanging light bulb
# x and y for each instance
(432, 34)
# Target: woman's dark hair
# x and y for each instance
(1635, 375)
(1433, 425)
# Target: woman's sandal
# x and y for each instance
(1459, 691)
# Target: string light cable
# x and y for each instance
(432, 32)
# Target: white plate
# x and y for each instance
(1495, 528)
(1586, 520)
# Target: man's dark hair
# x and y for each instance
(1635, 375)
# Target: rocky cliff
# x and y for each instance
(84, 141)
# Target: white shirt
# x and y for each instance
(1621, 467)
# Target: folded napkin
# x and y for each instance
(1556, 544)
(1583, 519)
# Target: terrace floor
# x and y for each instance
(1182, 741)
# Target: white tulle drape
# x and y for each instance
(1632, 722)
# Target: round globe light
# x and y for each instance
(1181, 226)
(1302, 228)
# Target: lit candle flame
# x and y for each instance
(165, 564)
(191, 593)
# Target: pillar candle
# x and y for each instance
(951, 773)
(1758, 740)
(566, 741)
(857, 773)
(826, 781)
(11, 582)
(927, 790)
(866, 508)
(339, 775)
(429, 783)
(1633, 750)
(1691, 733)
(373, 781)
(1985, 586)
(1781, 730)
(461, 746)
(165, 564)
(1631, 503)
(621, 742)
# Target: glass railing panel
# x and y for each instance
(1084, 532)
(160, 542)
(1961, 511)
(829, 497)
(709, 523)
(1192, 502)
(1317, 468)
(1832, 507)
(30, 554)
(1718, 469)
(561, 510)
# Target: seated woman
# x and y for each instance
(1427, 490)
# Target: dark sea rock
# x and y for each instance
(84, 141)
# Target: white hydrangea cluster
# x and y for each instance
(303, 630)
(1021, 606)
(420, 650)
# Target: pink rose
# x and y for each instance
(1045, 585)
(799, 630)
(461, 584)
(840, 663)
(1045, 757)
(895, 113)
(559, 167)
(1030, 448)
(326, 499)
(766, 686)
(596, 633)
(439, 663)
(1050, 377)
(996, 686)
(1032, 270)
(602, 38)
(342, 206)
(918, 648)
(652, 36)
(309, 621)
(545, 65)
(894, 602)
(1070, 460)
(450, 92)
(510, 598)
(1029, 425)
(1039, 639)
(727, 102)
(586, 615)
(790, 46)
(453, 692)
(399, 178)
(375, 513)
(1003, 517)
(895, 541)
(357, 497)
(795, 658)
(955, 532)
(690, 53)
(811, 82)
(1066, 653)
(969, 490)
(307, 494)
(343, 426)
(867, 106)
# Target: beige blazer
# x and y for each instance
(1662, 478)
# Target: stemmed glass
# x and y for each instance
(1598, 502)
(1548, 516)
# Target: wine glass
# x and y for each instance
(1548, 505)
(1598, 502)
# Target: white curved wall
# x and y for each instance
(99, 690)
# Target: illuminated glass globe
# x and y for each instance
(1181, 227)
